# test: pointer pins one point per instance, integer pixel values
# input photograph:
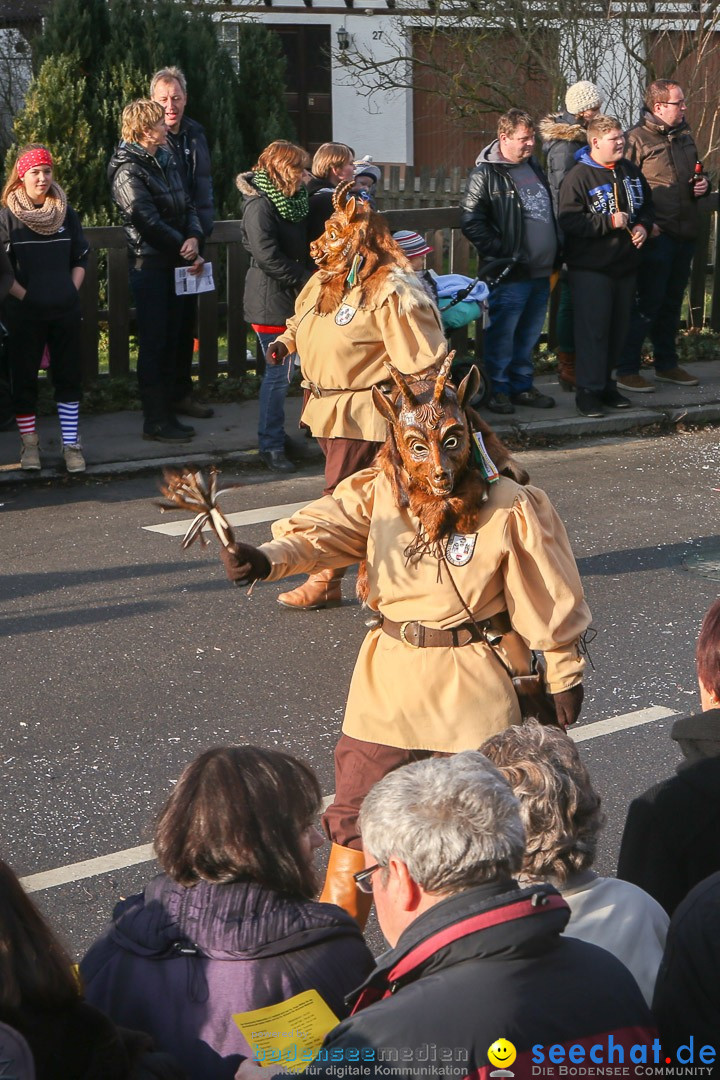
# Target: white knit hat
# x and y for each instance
(581, 96)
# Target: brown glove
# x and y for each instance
(276, 352)
(568, 704)
(244, 563)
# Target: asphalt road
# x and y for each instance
(123, 656)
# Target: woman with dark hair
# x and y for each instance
(230, 925)
(561, 812)
(274, 229)
(43, 237)
(41, 998)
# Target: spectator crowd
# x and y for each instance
(610, 221)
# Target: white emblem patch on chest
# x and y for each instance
(460, 548)
(345, 315)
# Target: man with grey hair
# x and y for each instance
(478, 969)
(189, 146)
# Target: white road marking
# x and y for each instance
(620, 723)
(120, 860)
(243, 517)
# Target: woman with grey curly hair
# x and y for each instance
(562, 815)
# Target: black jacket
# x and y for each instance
(492, 211)
(667, 158)
(157, 214)
(687, 991)
(589, 195)
(488, 963)
(321, 206)
(670, 841)
(562, 137)
(192, 154)
(278, 267)
(42, 264)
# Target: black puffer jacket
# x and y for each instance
(278, 268)
(157, 214)
(562, 136)
(492, 211)
(321, 206)
(193, 154)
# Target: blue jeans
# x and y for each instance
(273, 391)
(517, 314)
(661, 282)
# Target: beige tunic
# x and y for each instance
(447, 699)
(343, 352)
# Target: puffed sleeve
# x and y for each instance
(544, 593)
(412, 333)
(329, 533)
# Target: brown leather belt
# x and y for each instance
(427, 637)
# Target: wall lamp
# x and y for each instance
(343, 39)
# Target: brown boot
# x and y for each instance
(566, 370)
(321, 590)
(339, 887)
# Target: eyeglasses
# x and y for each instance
(681, 102)
(363, 878)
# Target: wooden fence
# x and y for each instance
(222, 316)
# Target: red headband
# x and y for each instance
(33, 158)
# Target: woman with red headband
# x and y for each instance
(47, 249)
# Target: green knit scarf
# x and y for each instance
(292, 208)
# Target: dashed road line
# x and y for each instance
(121, 860)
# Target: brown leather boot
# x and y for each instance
(321, 590)
(566, 370)
(339, 887)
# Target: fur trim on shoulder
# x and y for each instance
(551, 129)
(392, 279)
(243, 182)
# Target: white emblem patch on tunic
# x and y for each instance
(460, 548)
(345, 315)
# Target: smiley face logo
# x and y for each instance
(502, 1053)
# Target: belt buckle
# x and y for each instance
(402, 634)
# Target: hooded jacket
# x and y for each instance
(192, 153)
(279, 258)
(178, 962)
(670, 841)
(488, 963)
(667, 158)
(589, 195)
(562, 137)
(492, 211)
(158, 216)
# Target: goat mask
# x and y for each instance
(429, 427)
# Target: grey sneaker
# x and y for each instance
(74, 460)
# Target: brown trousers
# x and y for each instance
(359, 765)
(343, 457)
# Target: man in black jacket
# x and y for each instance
(605, 212)
(187, 141)
(475, 960)
(507, 214)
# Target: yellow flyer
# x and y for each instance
(290, 1034)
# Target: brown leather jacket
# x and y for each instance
(667, 157)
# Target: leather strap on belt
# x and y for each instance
(321, 391)
(427, 637)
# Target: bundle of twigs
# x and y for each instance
(189, 491)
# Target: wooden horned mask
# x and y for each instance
(429, 426)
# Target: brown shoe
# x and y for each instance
(566, 370)
(30, 455)
(321, 590)
(189, 407)
(635, 384)
(340, 887)
(678, 376)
